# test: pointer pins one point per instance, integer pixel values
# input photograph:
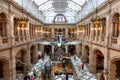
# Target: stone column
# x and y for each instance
(108, 32)
(77, 50)
(27, 58)
(66, 49)
(83, 54)
(12, 64)
(91, 31)
(92, 61)
(112, 71)
(28, 27)
(53, 32)
(52, 49)
(10, 29)
(66, 32)
(100, 28)
(77, 32)
(41, 32)
(35, 54)
(6, 70)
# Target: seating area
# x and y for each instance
(60, 73)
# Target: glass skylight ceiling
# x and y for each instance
(46, 10)
(51, 8)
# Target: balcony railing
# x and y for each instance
(102, 38)
(114, 40)
(21, 38)
(97, 38)
(4, 40)
(16, 39)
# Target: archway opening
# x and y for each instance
(99, 61)
(115, 70)
(3, 25)
(20, 62)
(4, 70)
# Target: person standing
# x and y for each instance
(34, 73)
(66, 76)
(82, 66)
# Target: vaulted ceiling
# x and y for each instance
(46, 10)
(66, 7)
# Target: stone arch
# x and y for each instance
(33, 54)
(21, 61)
(5, 12)
(98, 58)
(3, 24)
(65, 20)
(4, 69)
(114, 68)
(115, 24)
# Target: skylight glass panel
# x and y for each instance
(50, 13)
(69, 9)
(74, 7)
(39, 2)
(70, 13)
(46, 8)
(48, 4)
(80, 2)
(67, 14)
(50, 9)
(75, 4)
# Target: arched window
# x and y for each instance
(115, 22)
(3, 25)
(59, 19)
